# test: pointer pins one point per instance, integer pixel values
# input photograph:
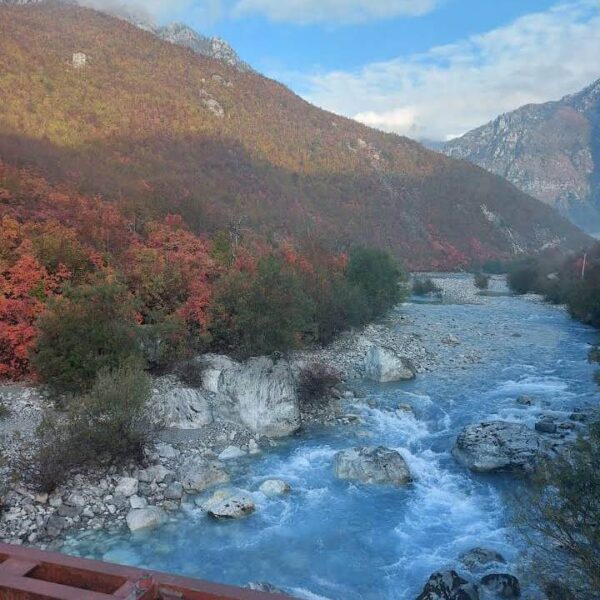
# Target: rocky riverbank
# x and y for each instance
(232, 412)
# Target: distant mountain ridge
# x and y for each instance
(113, 110)
(550, 151)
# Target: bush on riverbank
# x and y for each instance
(481, 281)
(424, 287)
(562, 281)
(315, 383)
(109, 423)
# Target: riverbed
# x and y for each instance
(336, 540)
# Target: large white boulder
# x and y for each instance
(145, 518)
(385, 365)
(229, 504)
(259, 394)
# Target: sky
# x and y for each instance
(428, 69)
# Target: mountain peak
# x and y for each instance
(548, 150)
(213, 47)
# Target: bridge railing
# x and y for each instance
(30, 574)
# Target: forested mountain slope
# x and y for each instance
(159, 130)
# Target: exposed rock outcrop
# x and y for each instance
(372, 464)
(261, 395)
(547, 150)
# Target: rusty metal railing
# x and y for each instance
(29, 574)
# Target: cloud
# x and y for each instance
(201, 13)
(451, 89)
(302, 12)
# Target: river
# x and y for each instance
(335, 540)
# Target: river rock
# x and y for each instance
(275, 487)
(448, 585)
(502, 584)
(127, 486)
(370, 464)
(231, 453)
(229, 504)
(199, 474)
(264, 586)
(145, 518)
(384, 365)
(174, 491)
(498, 446)
(260, 394)
(180, 407)
(138, 502)
(478, 558)
(546, 426)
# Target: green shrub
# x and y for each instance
(4, 411)
(424, 287)
(522, 278)
(89, 329)
(315, 383)
(261, 313)
(378, 275)
(111, 421)
(481, 281)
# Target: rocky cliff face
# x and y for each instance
(550, 151)
(213, 47)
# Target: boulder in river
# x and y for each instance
(385, 365)
(229, 504)
(479, 558)
(499, 446)
(199, 474)
(448, 585)
(502, 585)
(145, 518)
(274, 487)
(372, 464)
(264, 586)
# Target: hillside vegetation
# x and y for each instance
(160, 130)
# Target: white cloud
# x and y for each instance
(201, 13)
(451, 89)
(334, 11)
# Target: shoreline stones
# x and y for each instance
(499, 446)
(198, 474)
(145, 518)
(372, 465)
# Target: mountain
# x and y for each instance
(94, 102)
(551, 151)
